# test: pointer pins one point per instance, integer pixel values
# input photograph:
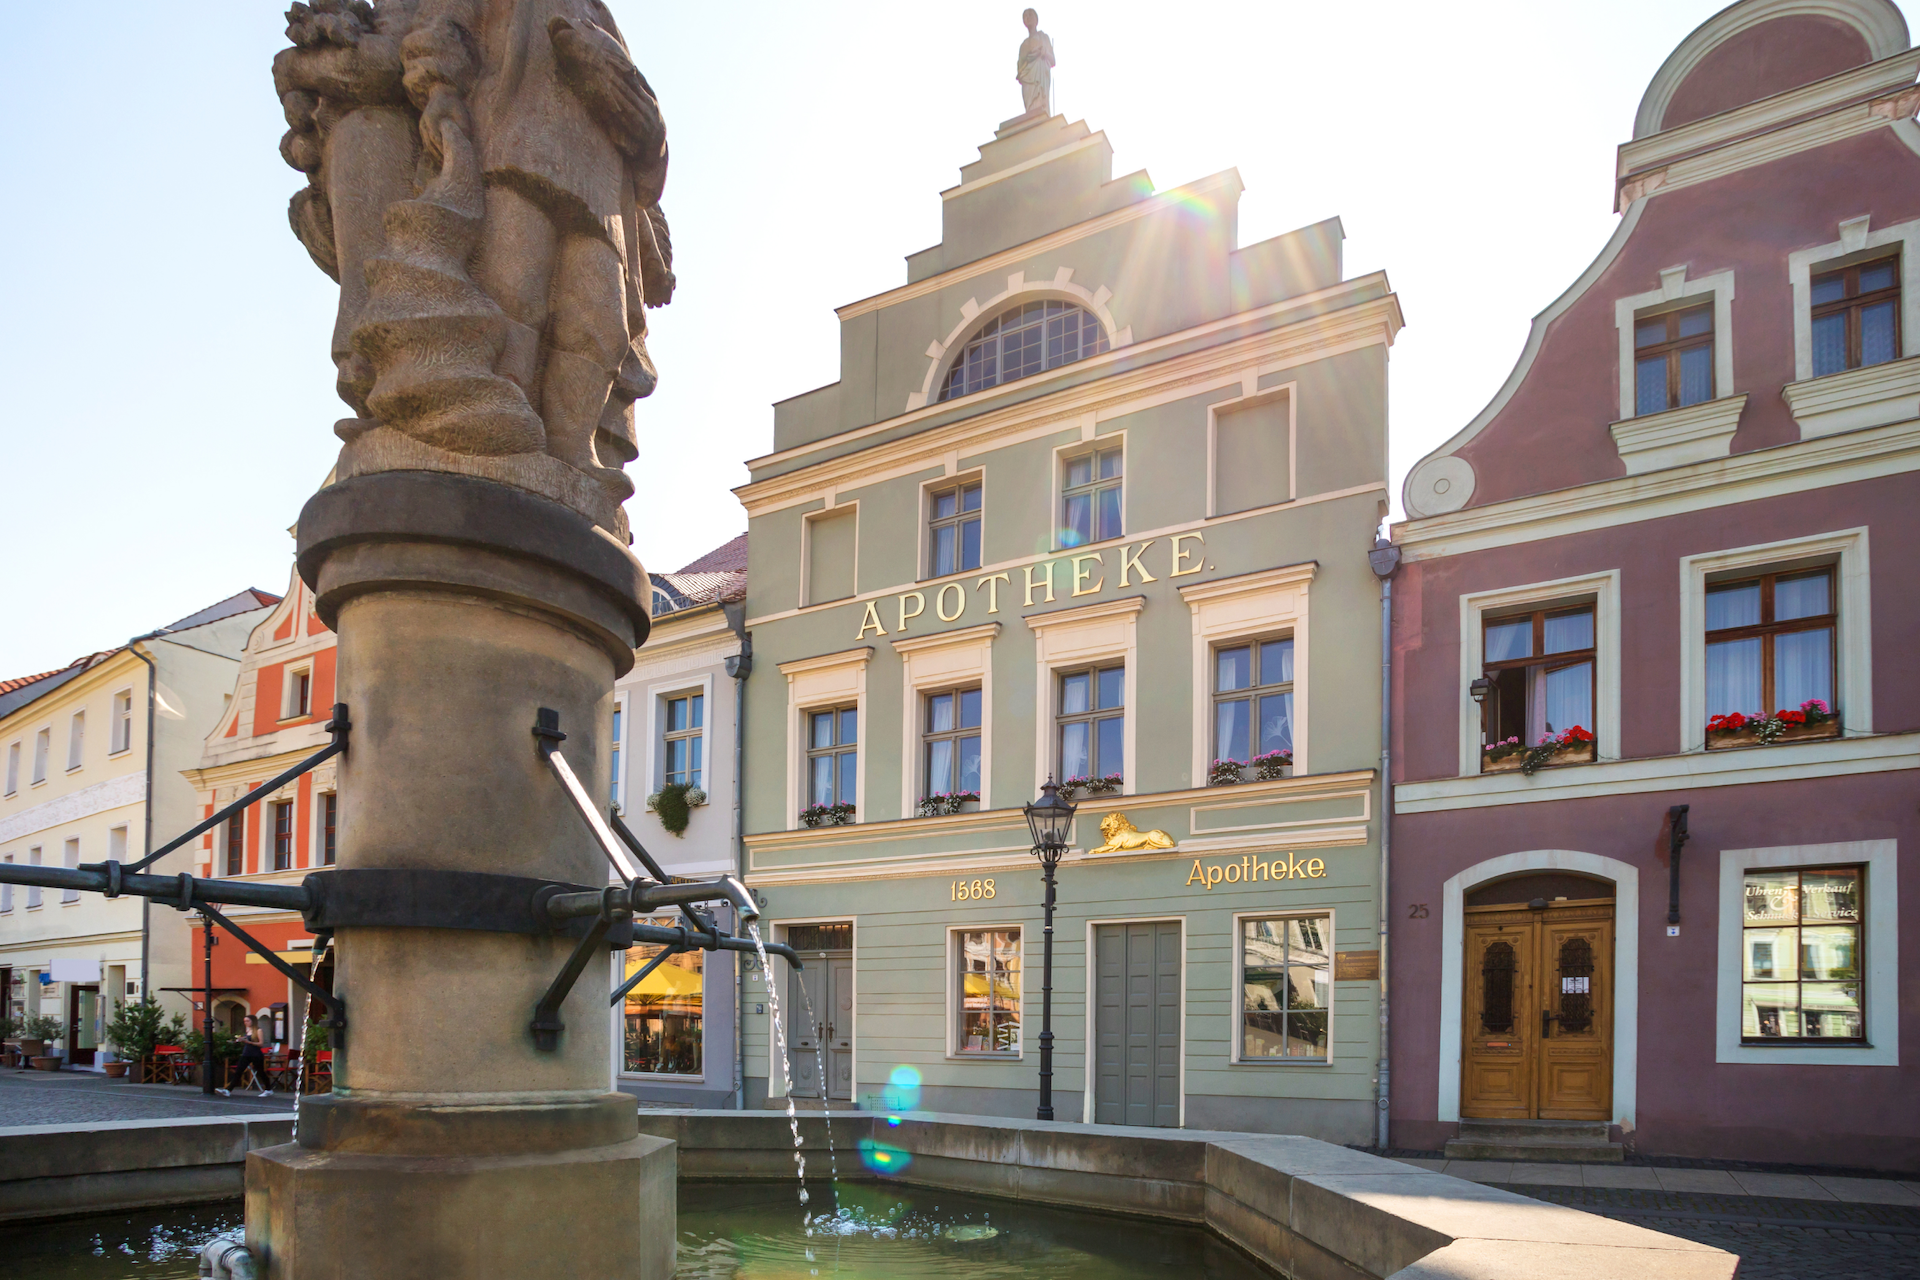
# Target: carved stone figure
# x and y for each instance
(1035, 69)
(1123, 837)
(484, 181)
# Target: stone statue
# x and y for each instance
(1123, 837)
(484, 181)
(1035, 70)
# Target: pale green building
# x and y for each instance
(1092, 497)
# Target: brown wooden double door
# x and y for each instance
(1538, 1040)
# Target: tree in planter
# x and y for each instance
(38, 1026)
(138, 1025)
(673, 805)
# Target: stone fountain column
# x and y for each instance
(484, 177)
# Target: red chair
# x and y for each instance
(163, 1065)
(321, 1079)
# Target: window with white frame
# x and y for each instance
(33, 890)
(1025, 339)
(1286, 990)
(1092, 723)
(683, 729)
(236, 842)
(619, 740)
(986, 1000)
(1091, 488)
(1855, 317)
(1253, 702)
(953, 529)
(1800, 946)
(297, 694)
(122, 729)
(70, 859)
(663, 1018)
(1514, 642)
(1673, 359)
(282, 835)
(117, 844)
(42, 748)
(76, 740)
(13, 767)
(950, 742)
(833, 756)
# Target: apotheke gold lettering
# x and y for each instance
(1250, 869)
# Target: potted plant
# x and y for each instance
(941, 803)
(1574, 746)
(827, 815)
(1499, 757)
(673, 805)
(226, 1048)
(1223, 773)
(1812, 719)
(1092, 784)
(40, 1032)
(1271, 765)
(136, 1026)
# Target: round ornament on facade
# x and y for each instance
(1439, 485)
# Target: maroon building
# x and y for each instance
(1656, 712)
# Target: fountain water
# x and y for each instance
(786, 1056)
(826, 1096)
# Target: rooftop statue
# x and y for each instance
(1035, 70)
(483, 180)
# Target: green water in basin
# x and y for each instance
(740, 1231)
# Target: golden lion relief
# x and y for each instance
(1123, 837)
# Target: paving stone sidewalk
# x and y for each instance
(81, 1097)
(1724, 1182)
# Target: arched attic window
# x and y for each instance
(1027, 339)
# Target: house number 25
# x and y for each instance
(969, 890)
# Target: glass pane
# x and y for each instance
(1803, 668)
(940, 713)
(1232, 669)
(1737, 606)
(1876, 334)
(823, 729)
(1076, 694)
(1074, 741)
(1276, 662)
(1696, 375)
(1649, 333)
(1262, 1016)
(1733, 677)
(1876, 276)
(969, 779)
(1770, 953)
(1113, 687)
(1829, 952)
(1650, 385)
(821, 789)
(676, 715)
(847, 760)
(1695, 323)
(1830, 895)
(699, 709)
(1276, 722)
(1307, 1035)
(693, 772)
(946, 542)
(1566, 632)
(1769, 1010)
(1829, 344)
(1109, 514)
(849, 725)
(1570, 698)
(970, 498)
(1109, 464)
(1079, 471)
(1230, 726)
(970, 544)
(945, 504)
(1800, 597)
(677, 759)
(663, 1014)
(1829, 288)
(616, 725)
(1510, 639)
(1830, 1010)
(1772, 897)
(940, 766)
(970, 709)
(1113, 755)
(1076, 527)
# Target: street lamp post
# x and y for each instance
(1050, 818)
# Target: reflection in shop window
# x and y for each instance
(1800, 947)
(1285, 996)
(989, 991)
(663, 1012)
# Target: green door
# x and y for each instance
(1137, 1024)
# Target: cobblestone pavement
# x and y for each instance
(1777, 1238)
(81, 1097)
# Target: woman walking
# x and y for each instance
(253, 1057)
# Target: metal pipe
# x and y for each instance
(206, 1023)
(166, 889)
(644, 897)
(146, 809)
(740, 666)
(546, 728)
(1384, 559)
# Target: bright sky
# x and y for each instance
(171, 400)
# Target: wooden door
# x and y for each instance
(1497, 1042)
(1537, 1040)
(1137, 1024)
(1575, 1078)
(840, 1029)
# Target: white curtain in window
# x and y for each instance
(1569, 698)
(1733, 677)
(1802, 668)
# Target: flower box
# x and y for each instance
(827, 815)
(1263, 768)
(943, 803)
(1813, 719)
(1514, 762)
(1109, 784)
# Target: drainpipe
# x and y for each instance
(1384, 559)
(146, 810)
(740, 666)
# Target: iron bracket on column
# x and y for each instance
(336, 1007)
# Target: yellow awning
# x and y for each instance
(666, 983)
(976, 985)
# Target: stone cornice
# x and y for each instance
(1370, 323)
(1243, 583)
(940, 640)
(844, 658)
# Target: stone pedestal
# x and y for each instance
(452, 1146)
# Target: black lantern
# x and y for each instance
(1051, 820)
(1480, 688)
